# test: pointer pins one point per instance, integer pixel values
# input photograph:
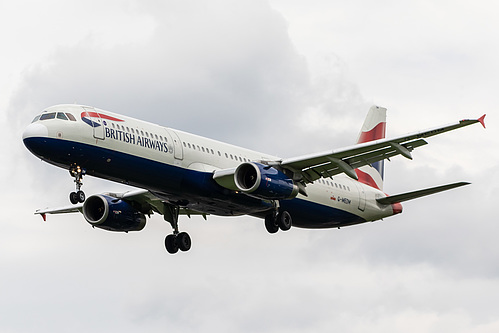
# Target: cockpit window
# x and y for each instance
(46, 116)
(62, 116)
(70, 116)
(36, 119)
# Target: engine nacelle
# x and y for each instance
(263, 181)
(112, 214)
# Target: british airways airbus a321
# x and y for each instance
(178, 173)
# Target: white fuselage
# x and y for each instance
(179, 166)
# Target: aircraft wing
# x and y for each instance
(143, 200)
(345, 160)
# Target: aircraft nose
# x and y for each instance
(32, 135)
(35, 130)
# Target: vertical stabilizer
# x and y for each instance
(374, 128)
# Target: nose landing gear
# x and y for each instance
(77, 173)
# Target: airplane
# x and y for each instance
(178, 173)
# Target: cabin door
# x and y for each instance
(362, 195)
(178, 151)
(93, 119)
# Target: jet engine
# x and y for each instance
(112, 214)
(264, 182)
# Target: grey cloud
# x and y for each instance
(234, 68)
(231, 72)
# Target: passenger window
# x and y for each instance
(219, 154)
(202, 149)
(70, 116)
(47, 116)
(185, 144)
(147, 134)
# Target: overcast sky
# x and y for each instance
(283, 77)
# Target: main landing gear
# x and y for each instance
(278, 220)
(178, 240)
(77, 173)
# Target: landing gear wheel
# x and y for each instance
(81, 196)
(178, 240)
(184, 241)
(171, 244)
(73, 197)
(284, 221)
(270, 224)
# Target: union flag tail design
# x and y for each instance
(374, 128)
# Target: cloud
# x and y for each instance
(202, 65)
(255, 75)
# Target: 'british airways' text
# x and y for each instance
(136, 140)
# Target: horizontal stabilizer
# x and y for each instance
(418, 194)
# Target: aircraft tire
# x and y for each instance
(284, 221)
(81, 196)
(270, 224)
(73, 197)
(184, 241)
(171, 244)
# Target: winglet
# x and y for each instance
(482, 120)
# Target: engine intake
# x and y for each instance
(112, 214)
(264, 182)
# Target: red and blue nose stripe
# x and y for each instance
(86, 117)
